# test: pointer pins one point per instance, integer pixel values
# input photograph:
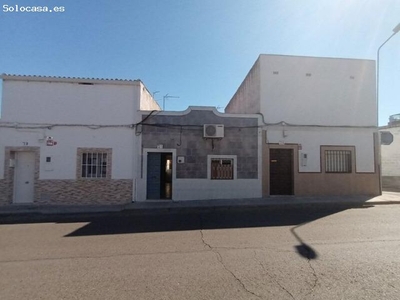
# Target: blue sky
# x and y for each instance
(199, 50)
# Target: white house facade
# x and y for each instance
(320, 132)
(70, 140)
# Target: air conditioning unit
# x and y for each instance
(213, 131)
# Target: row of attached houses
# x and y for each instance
(296, 126)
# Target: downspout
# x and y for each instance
(136, 141)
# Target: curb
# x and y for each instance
(178, 207)
(386, 202)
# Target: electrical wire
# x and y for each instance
(153, 113)
(50, 126)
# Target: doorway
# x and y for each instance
(24, 177)
(159, 175)
(281, 172)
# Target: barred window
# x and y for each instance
(94, 165)
(338, 161)
(221, 168)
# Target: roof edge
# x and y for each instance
(39, 78)
(212, 109)
(316, 57)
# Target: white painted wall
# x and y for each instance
(314, 91)
(51, 100)
(309, 91)
(390, 154)
(312, 138)
(337, 92)
(202, 189)
(147, 101)
(64, 154)
(246, 100)
(54, 102)
(205, 189)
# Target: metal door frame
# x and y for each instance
(161, 150)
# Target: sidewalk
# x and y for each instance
(148, 206)
(385, 198)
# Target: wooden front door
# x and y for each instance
(281, 171)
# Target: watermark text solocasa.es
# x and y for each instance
(15, 8)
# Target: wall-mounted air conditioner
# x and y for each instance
(213, 131)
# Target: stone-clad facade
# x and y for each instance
(185, 134)
(195, 165)
(87, 192)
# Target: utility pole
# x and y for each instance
(395, 30)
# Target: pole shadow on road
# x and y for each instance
(303, 249)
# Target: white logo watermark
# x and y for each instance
(15, 8)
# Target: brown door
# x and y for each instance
(281, 171)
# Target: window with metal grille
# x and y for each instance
(94, 165)
(221, 168)
(338, 161)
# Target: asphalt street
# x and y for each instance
(315, 252)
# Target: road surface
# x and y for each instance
(310, 252)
